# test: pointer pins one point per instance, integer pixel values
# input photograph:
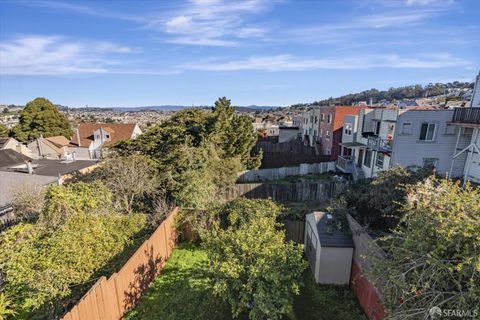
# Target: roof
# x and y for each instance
(329, 235)
(9, 157)
(288, 128)
(4, 141)
(118, 132)
(54, 168)
(58, 141)
(11, 181)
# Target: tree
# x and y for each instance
(433, 256)
(4, 131)
(377, 203)
(252, 266)
(132, 180)
(41, 117)
(76, 236)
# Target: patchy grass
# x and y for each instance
(183, 291)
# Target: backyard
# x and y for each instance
(183, 291)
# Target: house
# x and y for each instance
(322, 127)
(20, 171)
(378, 139)
(11, 143)
(50, 148)
(328, 249)
(466, 151)
(89, 139)
(287, 133)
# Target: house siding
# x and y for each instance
(408, 150)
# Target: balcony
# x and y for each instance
(466, 115)
(379, 144)
(345, 163)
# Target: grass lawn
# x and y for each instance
(182, 291)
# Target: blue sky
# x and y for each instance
(138, 53)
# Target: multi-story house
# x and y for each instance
(89, 139)
(378, 139)
(466, 152)
(322, 128)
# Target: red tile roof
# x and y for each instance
(118, 132)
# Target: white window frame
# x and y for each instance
(327, 135)
(382, 161)
(329, 118)
(404, 128)
(348, 129)
(426, 132)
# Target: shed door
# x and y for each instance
(311, 248)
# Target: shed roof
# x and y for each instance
(329, 234)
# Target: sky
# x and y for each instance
(265, 52)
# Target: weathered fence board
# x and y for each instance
(283, 172)
(109, 299)
(294, 230)
(285, 192)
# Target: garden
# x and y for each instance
(183, 291)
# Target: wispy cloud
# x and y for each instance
(56, 55)
(287, 62)
(212, 22)
(82, 9)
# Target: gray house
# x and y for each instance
(329, 250)
(378, 139)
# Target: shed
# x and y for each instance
(328, 249)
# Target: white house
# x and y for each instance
(89, 139)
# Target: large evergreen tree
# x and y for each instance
(3, 131)
(41, 117)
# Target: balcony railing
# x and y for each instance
(466, 115)
(379, 144)
(345, 163)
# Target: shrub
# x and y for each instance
(252, 266)
(434, 253)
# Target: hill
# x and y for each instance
(455, 88)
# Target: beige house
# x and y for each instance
(50, 148)
(12, 144)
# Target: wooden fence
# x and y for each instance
(285, 192)
(110, 299)
(272, 174)
(295, 230)
(364, 288)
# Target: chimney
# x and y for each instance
(29, 167)
(78, 137)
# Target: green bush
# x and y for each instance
(252, 266)
(433, 256)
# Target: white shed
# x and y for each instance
(329, 250)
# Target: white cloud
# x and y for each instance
(56, 55)
(212, 22)
(287, 62)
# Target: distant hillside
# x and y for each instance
(400, 93)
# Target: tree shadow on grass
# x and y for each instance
(182, 291)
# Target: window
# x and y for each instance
(316, 119)
(97, 136)
(430, 162)
(450, 130)
(380, 160)
(311, 119)
(327, 135)
(427, 132)
(348, 129)
(107, 136)
(406, 128)
(329, 118)
(377, 127)
(314, 133)
(321, 132)
(322, 117)
(368, 158)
